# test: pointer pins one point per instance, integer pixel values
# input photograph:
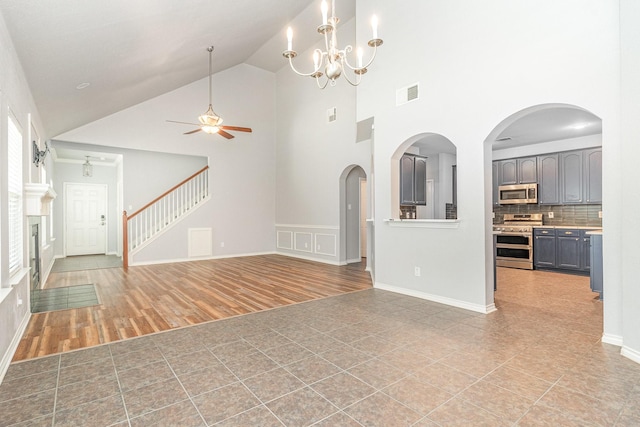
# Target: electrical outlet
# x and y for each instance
(306, 245)
(599, 214)
(550, 214)
(416, 271)
(222, 244)
(318, 248)
(493, 215)
(349, 206)
(19, 301)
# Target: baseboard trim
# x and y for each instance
(177, 260)
(630, 353)
(6, 358)
(612, 339)
(310, 258)
(436, 298)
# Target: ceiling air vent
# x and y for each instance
(407, 94)
(332, 114)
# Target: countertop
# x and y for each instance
(574, 227)
(594, 233)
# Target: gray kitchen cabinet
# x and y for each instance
(517, 171)
(571, 177)
(544, 248)
(527, 170)
(585, 250)
(568, 255)
(562, 249)
(593, 175)
(507, 172)
(548, 179)
(595, 275)
(413, 180)
(420, 180)
(495, 180)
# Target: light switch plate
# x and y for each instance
(550, 214)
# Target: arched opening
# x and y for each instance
(353, 214)
(556, 148)
(423, 178)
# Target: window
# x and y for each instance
(15, 217)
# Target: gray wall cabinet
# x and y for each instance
(566, 178)
(593, 175)
(413, 180)
(571, 177)
(548, 180)
(517, 171)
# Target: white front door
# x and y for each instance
(85, 219)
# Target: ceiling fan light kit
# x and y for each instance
(333, 60)
(210, 122)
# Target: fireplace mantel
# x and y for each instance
(38, 197)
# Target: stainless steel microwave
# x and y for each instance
(515, 194)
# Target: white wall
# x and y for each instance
(15, 95)
(630, 135)
(477, 63)
(312, 154)
(242, 170)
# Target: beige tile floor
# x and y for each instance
(370, 358)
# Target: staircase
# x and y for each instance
(148, 222)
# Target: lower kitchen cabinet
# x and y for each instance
(561, 249)
(595, 253)
(568, 255)
(544, 248)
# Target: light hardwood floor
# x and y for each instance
(149, 299)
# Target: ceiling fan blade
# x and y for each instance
(225, 134)
(184, 123)
(192, 131)
(236, 128)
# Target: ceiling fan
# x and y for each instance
(210, 122)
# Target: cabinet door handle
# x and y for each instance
(568, 232)
(545, 232)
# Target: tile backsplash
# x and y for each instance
(569, 215)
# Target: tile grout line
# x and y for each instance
(55, 395)
(124, 404)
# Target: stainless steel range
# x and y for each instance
(514, 240)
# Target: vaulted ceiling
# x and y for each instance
(129, 51)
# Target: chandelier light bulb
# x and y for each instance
(316, 60)
(324, 8)
(374, 26)
(289, 38)
(359, 52)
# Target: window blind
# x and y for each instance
(14, 169)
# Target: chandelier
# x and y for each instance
(333, 60)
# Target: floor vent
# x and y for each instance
(407, 94)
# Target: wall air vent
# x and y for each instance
(332, 114)
(407, 94)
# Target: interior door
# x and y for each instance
(85, 215)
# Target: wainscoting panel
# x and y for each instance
(312, 242)
(285, 239)
(326, 244)
(304, 241)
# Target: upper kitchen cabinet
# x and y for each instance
(496, 180)
(517, 171)
(413, 174)
(527, 170)
(571, 177)
(581, 176)
(593, 175)
(548, 180)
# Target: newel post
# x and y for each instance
(125, 242)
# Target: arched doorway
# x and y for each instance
(353, 214)
(564, 144)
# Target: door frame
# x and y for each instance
(64, 212)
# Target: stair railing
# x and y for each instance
(145, 223)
